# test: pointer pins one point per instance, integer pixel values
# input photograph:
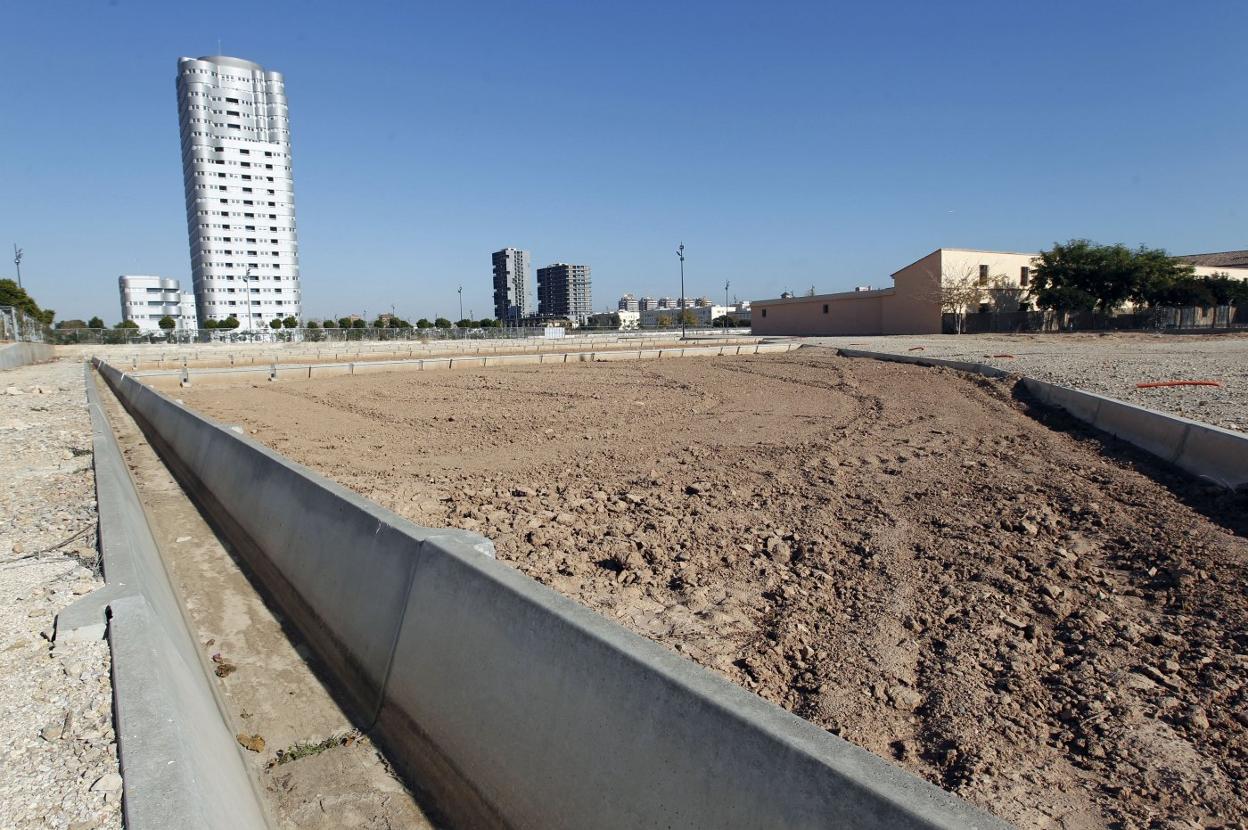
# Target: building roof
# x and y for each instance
(814, 298)
(1223, 259)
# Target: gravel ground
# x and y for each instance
(59, 763)
(1044, 624)
(1109, 364)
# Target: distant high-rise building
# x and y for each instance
(240, 203)
(702, 302)
(511, 284)
(563, 290)
(145, 300)
(629, 303)
(647, 304)
(667, 302)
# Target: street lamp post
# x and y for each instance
(680, 252)
(251, 323)
(17, 263)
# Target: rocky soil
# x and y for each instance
(58, 764)
(1108, 364)
(1047, 625)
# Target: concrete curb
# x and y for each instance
(512, 705)
(306, 371)
(1205, 451)
(180, 765)
(13, 355)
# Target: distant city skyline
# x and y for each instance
(848, 139)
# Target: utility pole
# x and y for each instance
(680, 252)
(461, 302)
(727, 284)
(17, 262)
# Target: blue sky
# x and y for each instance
(787, 144)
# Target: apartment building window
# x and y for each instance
(983, 275)
(1024, 276)
(825, 308)
(764, 312)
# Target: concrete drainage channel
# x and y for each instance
(500, 701)
(1213, 454)
(168, 379)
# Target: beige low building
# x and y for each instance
(948, 280)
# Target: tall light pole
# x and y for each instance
(727, 284)
(17, 263)
(680, 252)
(251, 323)
(461, 302)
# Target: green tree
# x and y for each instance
(312, 324)
(442, 323)
(1184, 291)
(168, 323)
(12, 294)
(95, 323)
(290, 323)
(126, 324)
(1226, 290)
(344, 322)
(275, 323)
(210, 323)
(688, 318)
(465, 323)
(330, 324)
(230, 322)
(723, 321)
(1072, 272)
(663, 321)
(358, 324)
(423, 323)
(71, 324)
(379, 323)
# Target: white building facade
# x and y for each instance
(146, 299)
(240, 206)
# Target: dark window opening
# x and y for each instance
(825, 308)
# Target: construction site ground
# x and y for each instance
(1042, 621)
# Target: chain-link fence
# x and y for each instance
(342, 335)
(16, 324)
(1187, 319)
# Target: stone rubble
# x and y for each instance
(58, 765)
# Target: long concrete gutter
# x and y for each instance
(180, 765)
(210, 356)
(511, 705)
(1208, 452)
(13, 355)
(166, 378)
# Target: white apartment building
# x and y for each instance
(623, 320)
(146, 299)
(700, 316)
(240, 205)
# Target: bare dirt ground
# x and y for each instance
(900, 555)
(1109, 363)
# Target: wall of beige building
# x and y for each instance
(946, 280)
